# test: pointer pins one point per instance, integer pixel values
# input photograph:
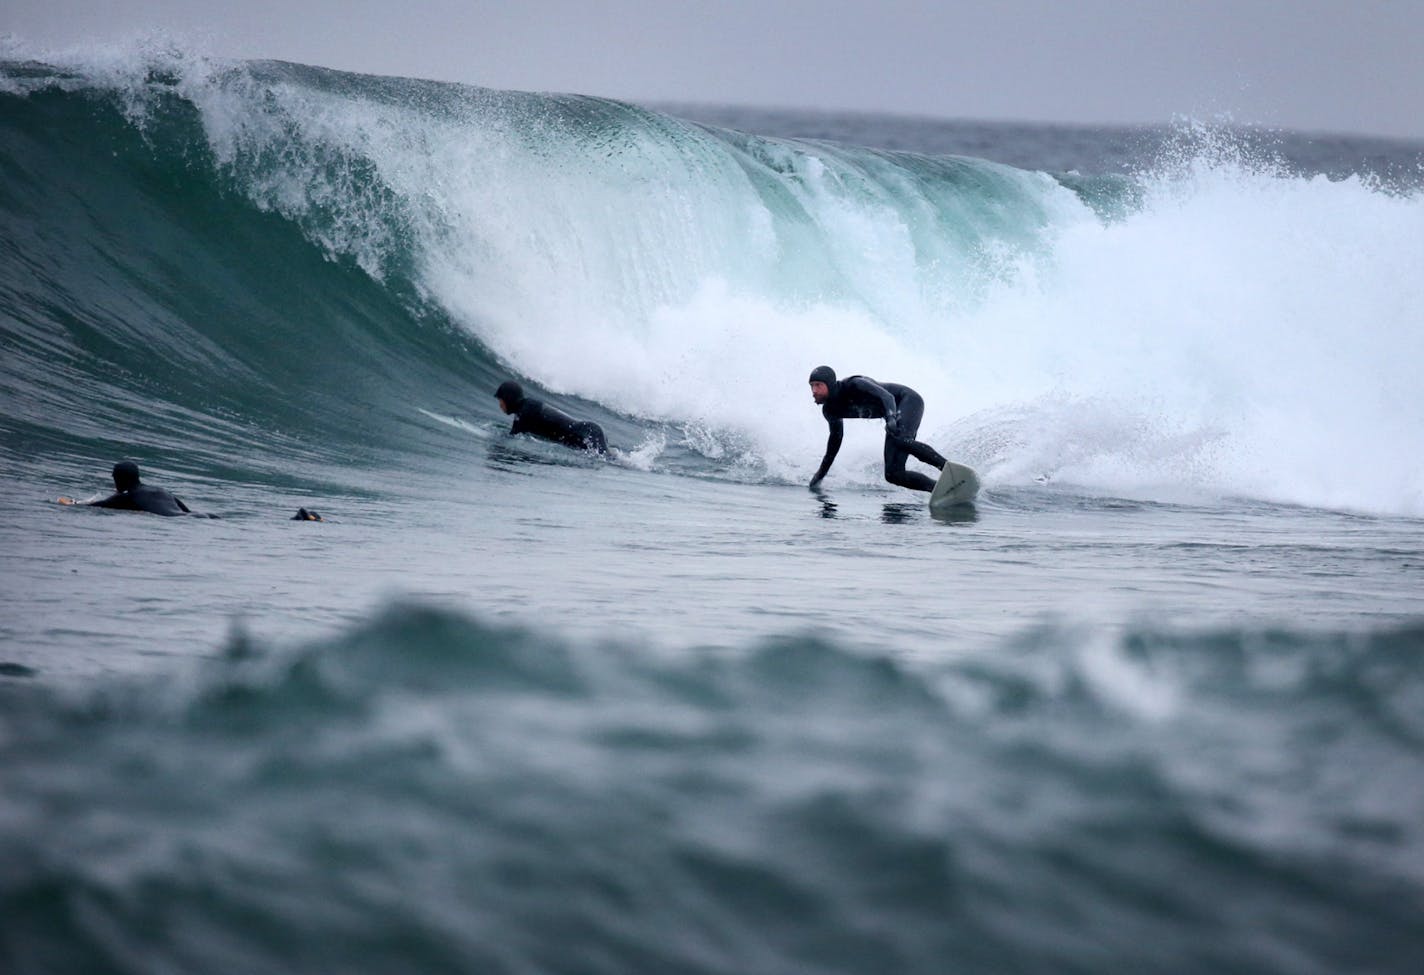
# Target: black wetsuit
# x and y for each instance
(858, 397)
(539, 419)
(144, 497)
(133, 495)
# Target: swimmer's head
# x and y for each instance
(510, 395)
(125, 475)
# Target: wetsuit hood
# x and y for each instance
(827, 375)
(512, 394)
(125, 475)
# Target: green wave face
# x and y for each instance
(265, 252)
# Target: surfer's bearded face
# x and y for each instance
(819, 392)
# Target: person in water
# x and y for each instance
(858, 397)
(131, 494)
(538, 418)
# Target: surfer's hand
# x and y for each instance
(815, 482)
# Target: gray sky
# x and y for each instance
(1326, 65)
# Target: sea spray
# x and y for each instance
(1262, 320)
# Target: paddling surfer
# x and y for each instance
(131, 494)
(539, 419)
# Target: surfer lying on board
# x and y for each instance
(131, 494)
(539, 419)
(859, 397)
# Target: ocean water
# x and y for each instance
(1155, 703)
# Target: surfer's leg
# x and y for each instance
(912, 411)
(924, 452)
(895, 456)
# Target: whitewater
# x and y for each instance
(1152, 704)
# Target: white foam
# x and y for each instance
(1268, 326)
(1245, 333)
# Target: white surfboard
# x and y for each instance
(957, 484)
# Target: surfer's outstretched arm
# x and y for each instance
(833, 447)
(123, 501)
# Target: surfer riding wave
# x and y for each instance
(859, 397)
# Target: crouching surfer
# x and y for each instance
(539, 419)
(859, 397)
(131, 494)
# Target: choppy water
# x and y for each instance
(1152, 705)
